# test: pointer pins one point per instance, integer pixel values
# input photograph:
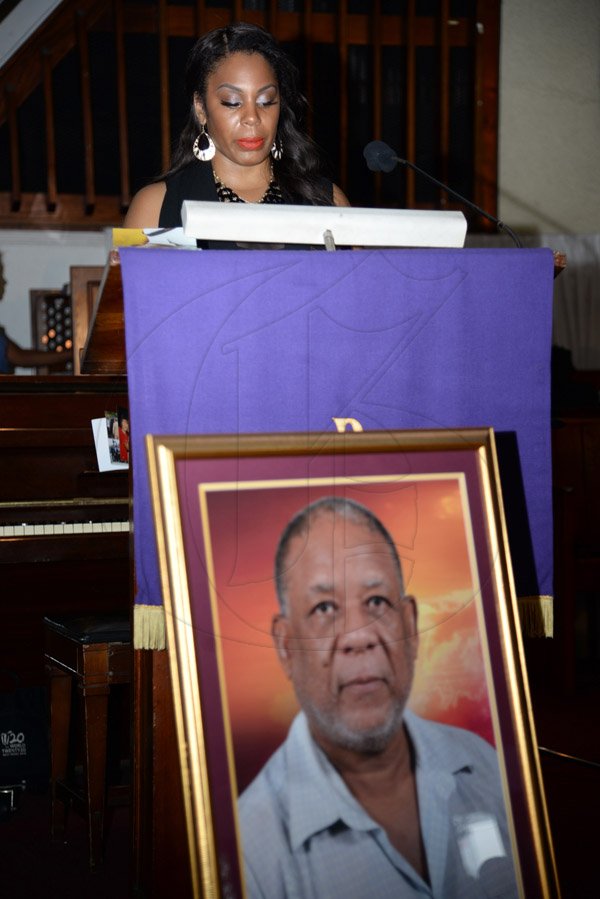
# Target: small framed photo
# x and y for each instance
(349, 682)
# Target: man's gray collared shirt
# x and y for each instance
(305, 836)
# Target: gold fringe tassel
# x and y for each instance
(537, 615)
(148, 627)
(535, 612)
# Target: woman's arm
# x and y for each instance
(18, 356)
(144, 210)
(339, 197)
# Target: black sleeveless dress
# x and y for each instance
(196, 182)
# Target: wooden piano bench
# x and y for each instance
(92, 652)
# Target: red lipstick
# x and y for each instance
(251, 143)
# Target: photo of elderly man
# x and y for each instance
(365, 798)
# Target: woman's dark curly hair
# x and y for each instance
(298, 172)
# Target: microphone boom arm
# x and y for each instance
(501, 226)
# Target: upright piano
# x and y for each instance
(64, 526)
(65, 547)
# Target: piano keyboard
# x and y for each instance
(62, 529)
(63, 518)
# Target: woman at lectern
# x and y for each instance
(243, 142)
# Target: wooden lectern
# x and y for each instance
(188, 284)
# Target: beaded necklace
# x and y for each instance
(227, 195)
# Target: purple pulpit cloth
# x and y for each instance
(258, 341)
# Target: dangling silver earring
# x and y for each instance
(204, 148)
(277, 149)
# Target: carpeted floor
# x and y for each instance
(32, 867)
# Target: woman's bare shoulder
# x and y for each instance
(339, 197)
(144, 210)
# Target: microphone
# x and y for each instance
(381, 158)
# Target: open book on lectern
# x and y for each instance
(329, 225)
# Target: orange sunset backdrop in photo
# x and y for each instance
(427, 520)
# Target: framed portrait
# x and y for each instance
(221, 506)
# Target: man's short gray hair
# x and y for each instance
(300, 523)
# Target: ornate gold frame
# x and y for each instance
(536, 865)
